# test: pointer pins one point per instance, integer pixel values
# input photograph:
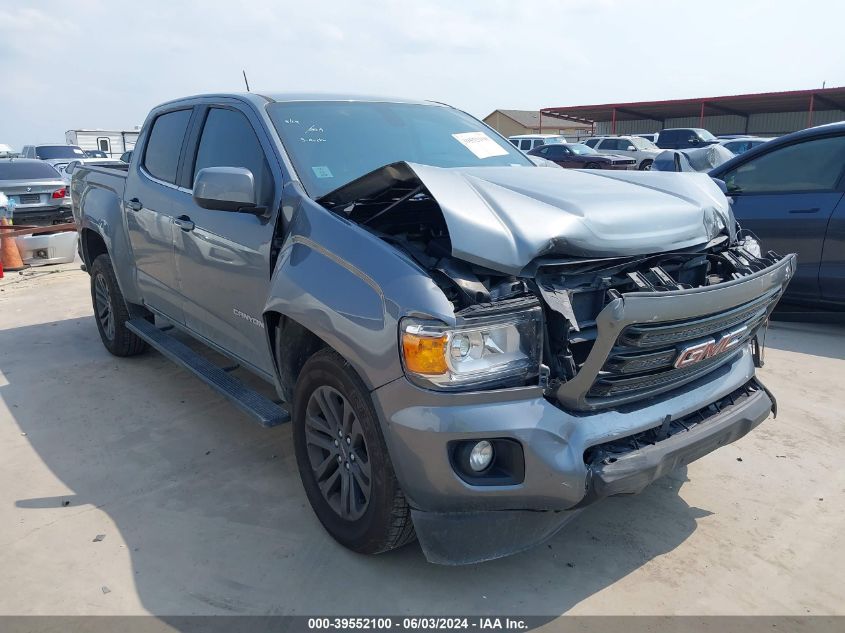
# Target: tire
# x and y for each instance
(645, 165)
(110, 311)
(328, 389)
(592, 166)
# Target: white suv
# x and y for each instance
(642, 150)
(527, 142)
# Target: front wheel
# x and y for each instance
(646, 165)
(110, 311)
(592, 166)
(343, 461)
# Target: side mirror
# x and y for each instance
(694, 140)
(225, 189)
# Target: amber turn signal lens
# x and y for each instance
(424, 354)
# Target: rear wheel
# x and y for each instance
(343, 461)
(645, 165)
(110, 311)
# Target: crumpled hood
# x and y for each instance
(504, 217)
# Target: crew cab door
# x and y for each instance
(786, 196)
(150, 194)
(223, 257)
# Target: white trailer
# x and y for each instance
(112, 142)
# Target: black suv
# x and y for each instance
(684, 138)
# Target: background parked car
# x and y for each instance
(578, 156)
(640, 149)
(7, 151)
(527, 142)
(684, 138)
(39, 193)
(789, 192)
(51, 153)
(743, 144)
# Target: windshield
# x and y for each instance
(29, 170)
(331, 143)
(47, 152)
(581, 149)
(642, 143)
(705, 135)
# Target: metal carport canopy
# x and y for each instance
(740, 105)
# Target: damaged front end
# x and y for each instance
(614, 326)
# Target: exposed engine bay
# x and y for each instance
(571, 290)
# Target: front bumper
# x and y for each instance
(461, 523)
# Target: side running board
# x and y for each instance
(267, 412)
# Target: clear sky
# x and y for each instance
(103, 63)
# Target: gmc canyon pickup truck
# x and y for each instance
(470, 348)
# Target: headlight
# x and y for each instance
(476, 352)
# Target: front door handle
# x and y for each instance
(184, 223)
(813, 210)
(134, 204)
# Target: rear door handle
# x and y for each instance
(184, 223)
(134, 204)
(813, 210)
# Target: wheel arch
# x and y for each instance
(291, 345)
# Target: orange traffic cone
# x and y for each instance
(9, 253)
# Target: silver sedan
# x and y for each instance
(36, 189)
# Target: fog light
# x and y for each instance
(481, 456)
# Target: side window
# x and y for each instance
(525, 144)
(544, 151)
(539, 142)
(228, 140)
(514, 142)
(161, 157)
(591, 142)
(609, 143)
(809, 166)
(668, 136)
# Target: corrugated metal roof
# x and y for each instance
(738, 105)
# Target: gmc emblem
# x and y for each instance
(702, 351)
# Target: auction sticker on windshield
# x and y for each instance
(480, 144)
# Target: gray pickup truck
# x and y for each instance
(470, 348)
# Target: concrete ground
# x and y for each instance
(202, 511)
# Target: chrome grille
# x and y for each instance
(643, 357)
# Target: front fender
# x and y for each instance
(350, 288)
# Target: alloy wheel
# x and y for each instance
(337, 452)
(102, 300)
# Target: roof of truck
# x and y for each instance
(259, 99)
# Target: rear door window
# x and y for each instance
(228, 140)
(609, 144)
(592, 142)
(525, 144)
(161, 158)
